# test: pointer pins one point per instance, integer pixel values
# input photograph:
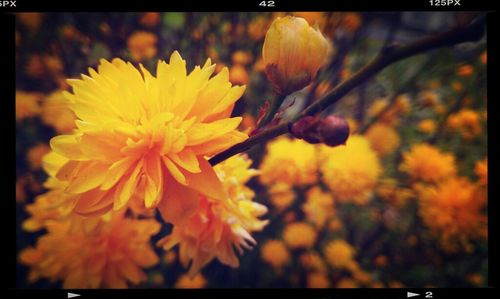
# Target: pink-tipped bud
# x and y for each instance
(333, 130)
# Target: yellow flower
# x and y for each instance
(100, 253)
(257, 28)
(289, 161)
(318, 207)
(27, 104)
(145, 136)
(275, 253)
(35, 155)
(170, 257)
(149, 19)
(32, 20)
(350, 171)
(238, 74)
(466, 121)
(318, 280)
(335, 224)
(484, 57)
(351, 21)
(347, 283)
(481, 170)
(57, 113)
(312, 261)
(142, 45)
(35, 67)
(381, 261)
(293, 53)
(476, 279)
(362, 277)
(339, 254)
(299, 235)
(218, 224)
(389, 190)
(427, 126)
(453, 210)
(428, 98)
(390, 115)
(465, 70)
(427, 163)
(281, 196)
(241, 57)
(384, 139)
(314, 18)
(187, 282)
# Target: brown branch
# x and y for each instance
(386, 57)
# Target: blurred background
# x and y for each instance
(410, 232)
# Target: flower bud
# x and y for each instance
(306, 128)
(293, 52)
(333, 130)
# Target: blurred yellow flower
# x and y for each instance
(147, 136)
(35, 67)
(27, 104)
(35, 155)
(299, 235)
(481, 170)
(57, 113)
(290, 161)
(395, 284)
(427, 163)
(347, 283)
(465, 121)
(428, 98)
(238, 74)
(353, 125)
(108, 253)
(454, 211)
(362, 277)
(390, 115)
(384, 139)
(218, 225)
(186, 282)
(318, 280)
(312, 261)
(32, 20)
(318, 207)
(149, 19)
(339, 254)
(314, 18)
(20, 190)
(241, 57)
(476, 279)
(350, 171)
(281, 196)
(465, 70)
(142, 45)
(389, 191)
(170, 257)
(381, 261)
(275, 253)
(257, 28)
(351, 21)
(293, 53)
(484, 58)
(335, 224)
(427, 126)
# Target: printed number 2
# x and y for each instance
(267, 3)
(428, 295)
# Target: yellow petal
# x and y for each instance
(89, 176)
(187, 160)
(68, 146)
(178, 204)
(126, 188)
(202, 132)
(174, 170)
(206, 182)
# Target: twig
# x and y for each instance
(386, 57)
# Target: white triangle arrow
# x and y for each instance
(72, 295)
(410, 294)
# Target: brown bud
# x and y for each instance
(333, 130)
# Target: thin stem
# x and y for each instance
(271, 112)
(386, 57)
